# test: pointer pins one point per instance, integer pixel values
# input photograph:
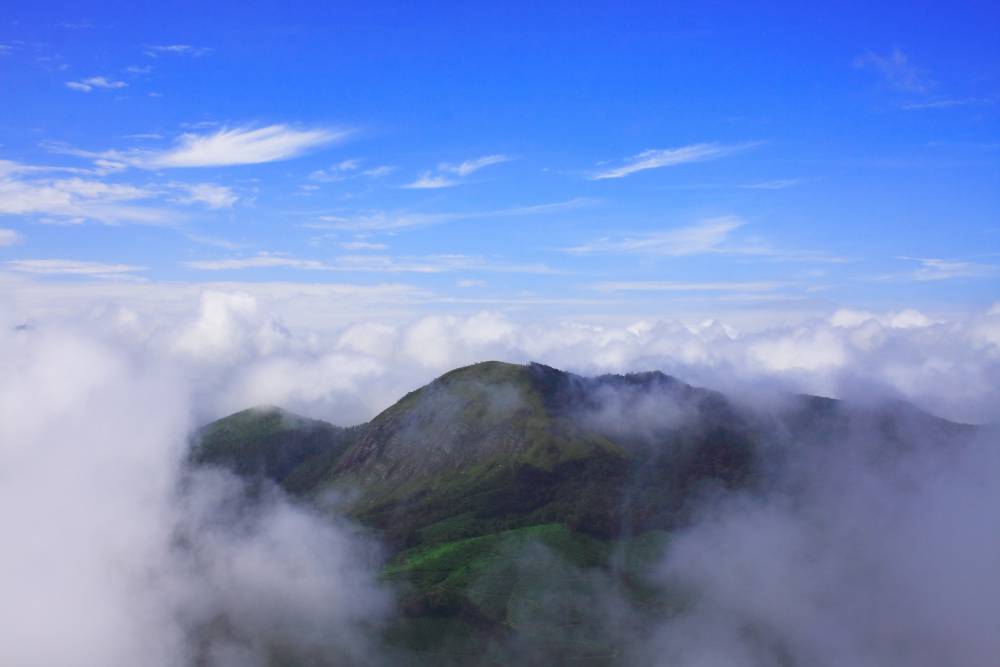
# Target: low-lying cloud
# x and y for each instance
(242, 348)
(116, 556)
(113, 557)
(847, 558)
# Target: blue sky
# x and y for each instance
(640, 159)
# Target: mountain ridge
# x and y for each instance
(497, 484)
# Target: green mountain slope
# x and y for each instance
(505, 492)
(273, 444)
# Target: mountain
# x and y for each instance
(270, 443)
(464, 476)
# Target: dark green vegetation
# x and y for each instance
(517, 501)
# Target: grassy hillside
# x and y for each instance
(270, 443)
(510, 497)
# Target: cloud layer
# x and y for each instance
(125, 559)
(115, 558)
(364, 347)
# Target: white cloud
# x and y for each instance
(336, 172)
(176, 50)
(209, 194)
(75, 198)
(660, 286)
(262, 261)
(671, 157)
(215, 242)
(435, 264)
(945, 104)
(10, 168)
(947, 269)
(237, 146)
(225, 147)
(467, 167)
(935, 269)
(129, 558)
(373, 264)
(87, 85)
(379, 171)
(69, 267)
(830, 562)
(97, 399)
(430, 181)
(377, 221)
(349, 169)
(948, 364)
(897, 71)
(711, 236)
(427, 181)
(9, 237)
(707, 236)
(362, 245)
(778, 184)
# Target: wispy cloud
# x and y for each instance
(379, 171)
(76, 198)
(658, 286)
(87, 85)
(946, 104)
(66, 195)
(176, 50)
(427, 181)
(656, 158)
(450, 175)
(949, 269)
(896, 70)
(347, 169)
(261, 261)
(362, 245)
(11, 168)
(467, 167)
(387, 221)
(238, 146)
(336, 172)
(442, 263)
(573, 204)
(9, 237)
(711, 236)
(777, 184)
(707, 236)
(70, 267)
(224, 147)
(215, 242)
(209, 194)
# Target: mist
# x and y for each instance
(851, 554)
(117, 554)
(114, 555)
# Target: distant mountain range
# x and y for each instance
(504, 491)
